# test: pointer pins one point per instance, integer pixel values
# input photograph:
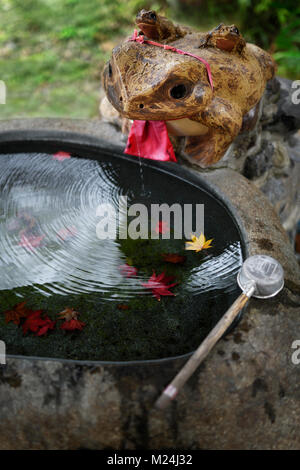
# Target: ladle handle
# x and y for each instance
(200, 354)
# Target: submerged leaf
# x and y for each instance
(158, 284)
(31, 241)
(38, 325)
(162, 227)
(67, 232)
(173, 258)
(128, 271)
(72, 325)
(68, 313)
(123, 307)
(18, 311)
(61, 156)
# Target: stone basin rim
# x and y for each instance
(175, 170)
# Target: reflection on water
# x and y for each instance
(48, 226)
(219, 272)
(48, 231)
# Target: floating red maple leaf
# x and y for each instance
(61, 156)
(173, 258)
(73, 324)
(16, 313)
(162, 227)
(38, 325)
(128, 271)
(158, 285)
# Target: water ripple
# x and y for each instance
(48, 231)
(217, 273)
(48, 226)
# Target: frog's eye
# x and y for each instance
(234, 30)
(178, 91)
(219, 27)
(153, 16)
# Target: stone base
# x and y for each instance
(246, 395)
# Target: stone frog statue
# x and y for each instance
(149, 83)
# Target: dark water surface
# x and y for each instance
(51, 257)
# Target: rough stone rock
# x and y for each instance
(277, 127)
(246, 395)
(260, 163)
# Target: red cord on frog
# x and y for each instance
(141, 39)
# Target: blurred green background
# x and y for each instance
(52, 51)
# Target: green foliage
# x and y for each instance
(287, 52)
(275, 25)
(271, 24)
(52, 53)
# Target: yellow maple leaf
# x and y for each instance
(198, 243)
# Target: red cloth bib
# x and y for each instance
(149, 139)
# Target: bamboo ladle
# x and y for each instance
(260, 276)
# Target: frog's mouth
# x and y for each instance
(148, 29)
(226, 43)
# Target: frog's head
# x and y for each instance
(147, 17)
(148, 22)
(227, 38)
(148, 83)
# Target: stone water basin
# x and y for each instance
(245, 395)
(52, 257)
